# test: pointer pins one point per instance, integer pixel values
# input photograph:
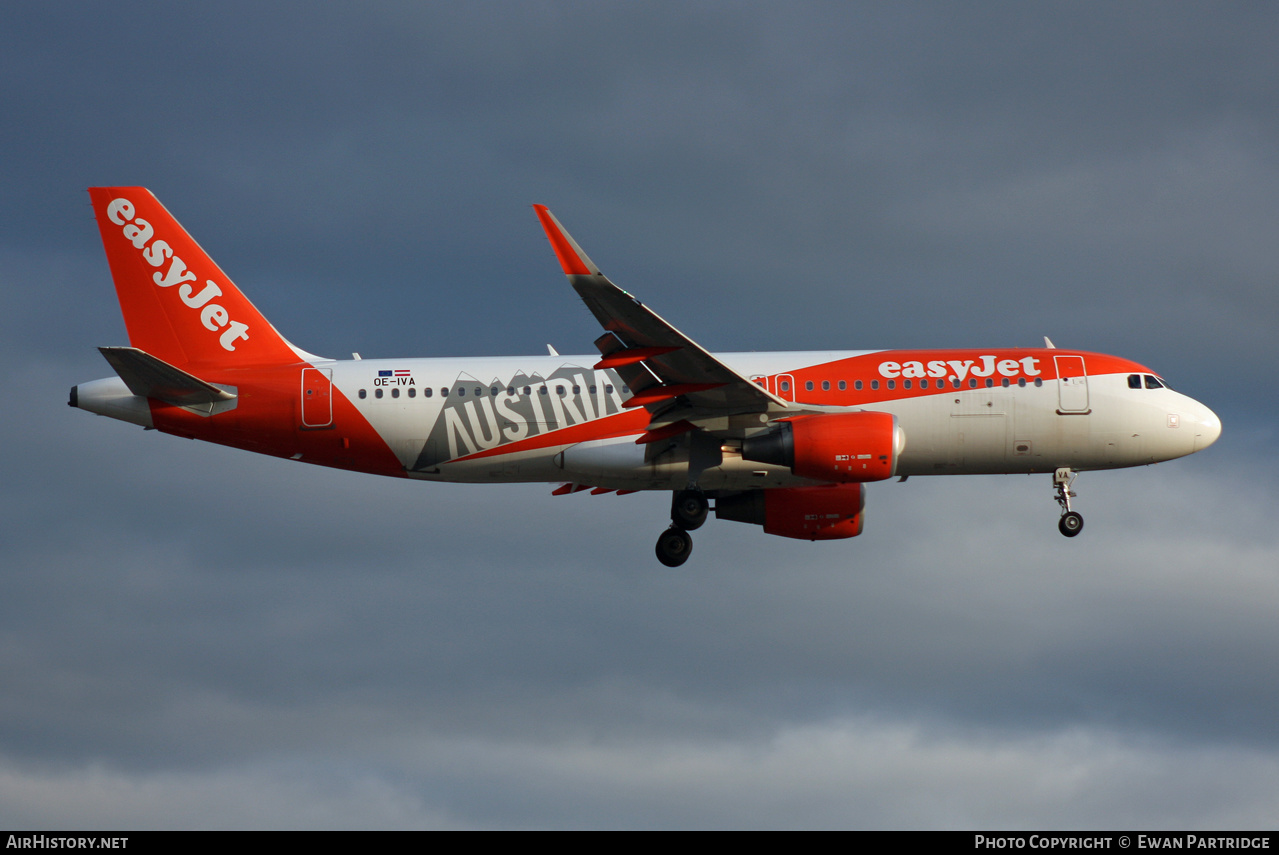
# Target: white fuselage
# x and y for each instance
(481, 405)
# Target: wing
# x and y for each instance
(669, 374)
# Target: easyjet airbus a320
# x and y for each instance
(785, 441)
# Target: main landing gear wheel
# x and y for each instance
(689, 509)
(674, 546)
(1072, 522)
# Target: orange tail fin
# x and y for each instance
(178, 305)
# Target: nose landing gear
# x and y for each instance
(689, 509)
(1072, 522)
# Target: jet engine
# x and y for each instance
(840, 447)
(828, 512)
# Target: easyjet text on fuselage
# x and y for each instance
(960, 369)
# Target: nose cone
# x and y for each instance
(1207, 428)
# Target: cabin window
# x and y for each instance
(923, 384)
(444, 391)
(1021, 381)
(857, 384)
(972, 383)
(479, 391)
(989, 382)
(1039, 381)
(1004, 382)
(808, 386)
(577, 390)
(608, 388)
(874, 384)
(843, 385)
(892, 384)
(427, 392)
(785, 385)
(412, 392)
(955, 382)
(528, 390)
(377, 393)
(510, 390)
(593, 389)
(542, 390)
(559, 390)
(905, 384)
(364, 393)
(395, 393)
(825, 385)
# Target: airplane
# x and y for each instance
(786, 441)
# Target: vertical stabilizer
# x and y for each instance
(178, 305)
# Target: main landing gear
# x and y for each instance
(1072, 522)
(674, 546)
(689, 509)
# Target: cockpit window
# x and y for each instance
(1134, 381)
(1153, 382)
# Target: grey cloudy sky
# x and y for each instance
(196, 637)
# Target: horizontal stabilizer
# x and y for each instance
(149, 377)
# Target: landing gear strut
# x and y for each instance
(1072, 522)
(689, 509)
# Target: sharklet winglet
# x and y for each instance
(574, 261)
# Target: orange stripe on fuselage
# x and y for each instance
(940, 368)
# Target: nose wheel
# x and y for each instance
(1072, 522)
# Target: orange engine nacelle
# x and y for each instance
(840, 447)
(829, 512)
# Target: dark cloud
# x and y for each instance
(191, 636)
